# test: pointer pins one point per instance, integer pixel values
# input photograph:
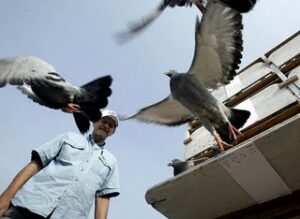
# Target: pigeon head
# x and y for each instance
(171, 73)
(174, 162)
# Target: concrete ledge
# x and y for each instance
(260, 169)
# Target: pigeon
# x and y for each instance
(41, 83)
(242, 6)
(217, 55)
(181, 166)
(239, 5)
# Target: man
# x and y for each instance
(64, 176)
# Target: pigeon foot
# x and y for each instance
(233, 133)
(222, 144)
(71, 108)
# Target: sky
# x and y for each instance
(77, 37)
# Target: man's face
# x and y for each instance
(103, 128)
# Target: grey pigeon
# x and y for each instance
(181, 166)
(40, 82)
(217, 55)
(239, 5)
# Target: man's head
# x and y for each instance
(106, 126)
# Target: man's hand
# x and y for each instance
(4, 205)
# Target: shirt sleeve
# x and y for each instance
(49, 150)
(111, 187)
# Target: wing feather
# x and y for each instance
(26, 89)
(26, 69)
(139, 26)
(218, 45)
(166, 112)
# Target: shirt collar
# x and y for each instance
(91, 140)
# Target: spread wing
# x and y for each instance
(166, 112)
(144, 22)
(25, 89)
(137, 27)
(218, 45)
(38, 80)
(25, 69)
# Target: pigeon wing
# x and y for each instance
(38, 80)
(218, 46)
(166, 112)
(25, 69)
(26, 89)
(139, 26)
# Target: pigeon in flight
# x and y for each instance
(217, 55)
(40, 82)
(180, 166)
(239, 5)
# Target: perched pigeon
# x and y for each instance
(180, 166)
(239, 5)
(41, 83)
(217, 55)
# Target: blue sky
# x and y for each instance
(77, 38)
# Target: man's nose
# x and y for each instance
(106, 125)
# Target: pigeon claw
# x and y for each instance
(222, 144)
(71, 108)
(233, 133)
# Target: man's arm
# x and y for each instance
(101, 207)
(20, 179)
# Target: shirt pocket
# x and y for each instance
(70, 152)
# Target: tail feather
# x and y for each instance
(92, 97)
(99, 85)
(95, 93)
(238, 118)
(224, 133)
(82, 122)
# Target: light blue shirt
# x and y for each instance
(75, 172)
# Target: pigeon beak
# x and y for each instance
(170, 164)
(169, 74)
